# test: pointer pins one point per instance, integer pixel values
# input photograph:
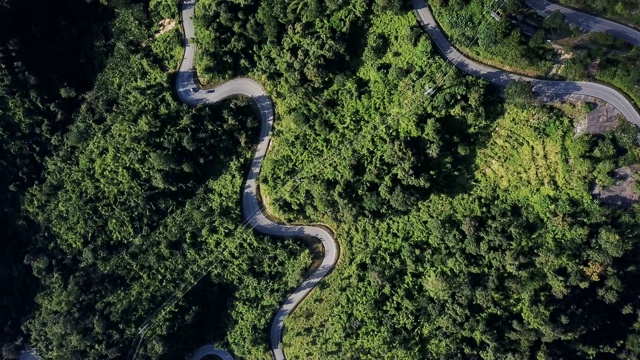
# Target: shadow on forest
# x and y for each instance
(45, 47)
(203, 323)
(456, 167)
(59, 41)
(210, 158)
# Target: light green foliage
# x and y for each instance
(469, 25)
(466, 230)
(534, 148)
(164, 9)
(507, 269)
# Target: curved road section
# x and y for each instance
(503, 78)
(210, 350)
(191, 95)
(586, 22)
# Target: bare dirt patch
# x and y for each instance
(165, 25)
(623, 192)
(559, 61)
(600, 118)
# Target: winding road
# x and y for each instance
(211, 350)
(190, 94)
(502, 78)
(186, 89)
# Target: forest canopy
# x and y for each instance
(467, 223)
(126, 196)
(468, 226)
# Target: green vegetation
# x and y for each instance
(226, 34)
(118, 196)
(621, 71)
(554, 21)
(520, 93)
(622, 10)
(525, 264)
(467, 227)
(610, 60)
(504, 43)
(36, 104)
(470, 27)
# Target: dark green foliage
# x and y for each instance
(41, 80)
(520, 93)
(538, 39)
(553, 21)
(588, 106)
(116, 195)
(468, 228)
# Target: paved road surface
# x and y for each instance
(250, 206)
(588, 23)
(247, 87)
(250, 88)
(210, 350)
(502, 78)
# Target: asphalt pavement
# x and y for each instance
(192, 95)
(503, 78)
(189, 92)
(586, 22)
(211, 350)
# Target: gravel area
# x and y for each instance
(622, 193)
(603, 118)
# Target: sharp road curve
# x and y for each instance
(501, 77)
(190, 94)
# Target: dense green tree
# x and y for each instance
(36, 106)
(520, 93)
(467, 225)
(117, 197)
(467, 230)
(471, 28)
(554, 20)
